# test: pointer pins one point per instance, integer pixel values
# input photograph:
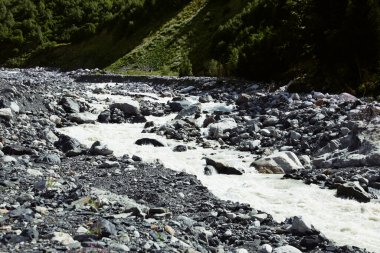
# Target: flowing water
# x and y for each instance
(343, 221)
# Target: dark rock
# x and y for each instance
(127, 109)
(99, 148)
(49, 159)
(66, 143)
(180, 148)
(104, 117)
(69, 105)
(149, 141)
(17, 150)
(353, 190)
(104, 228)
(222, 168)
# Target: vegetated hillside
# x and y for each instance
(331, 45)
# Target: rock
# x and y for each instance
(300, 226)
(17, 150)
(104, 228)
(205, 99)
(14, 107)
(223, 168)
(63, 238)
(149, 141)
(126, 108)
(294, 136)
(8, 159)
(216, 130)
(66, 143)
(83, 117)
(69, 105)
(241, 250)
(265, 248)
(286, 249)
(49, 159)
(169, 230)
(6, 113)
(99, 148)
(110, 164)
(180, 148)
(189, 111)
(209, 170)
(243, 99)
(353, 190)
(186, 89)
(270, 121)
(34, 172)
(104, 117)
(286, 161)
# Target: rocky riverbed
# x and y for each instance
(99, 193)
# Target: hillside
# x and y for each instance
(322, 45)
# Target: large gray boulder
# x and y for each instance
(216, 130)
(99, 148)
(354, 191)
(127, 108)
(189, 111)
(83, 117)
(223, 168)
(69, 105)
(278, 163)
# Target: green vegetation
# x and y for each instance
(322, 44)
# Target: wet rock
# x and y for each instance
(300, 226)
(222, 168)
(149, 141)
(216, 130)
(126, 108)
(104, 116)
(286, 161)
(99, 148)
(180, 148)
(353, 190)
(189, 111)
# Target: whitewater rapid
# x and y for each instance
(341, 220)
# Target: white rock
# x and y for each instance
(286, 249)
(63, 238)
(14, 107)
(6, 113)
(34, 172)
(301, 226)
(266, 248)
(287, 161)
(216, 129)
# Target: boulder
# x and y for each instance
(99, 148)
(49, 159)
(300, 226)
(189, 111)
(83, 117)
(286, 161)
(69, 105)
(216, 130)
(286, 249)
(149, 141)
(17, 150)
(66, 143)
(223, 168)
(353, 190)
(6, 113)
(127, 108)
